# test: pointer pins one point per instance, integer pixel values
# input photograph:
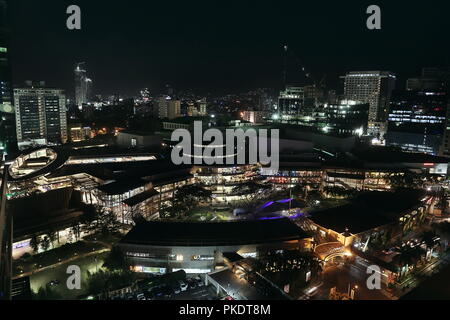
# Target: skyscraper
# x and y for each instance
(8, 141)
(290, 103)
(375, 88)
(40, 114)
(83, 85)
(168, 108)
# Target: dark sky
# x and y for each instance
(221, 45)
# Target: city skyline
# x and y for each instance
(257, 151)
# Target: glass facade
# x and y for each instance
(8, 141)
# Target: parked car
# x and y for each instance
(176, 287)
(140, 296)
(167, 292)
(192, 283)
(199, 281)
(183, 285)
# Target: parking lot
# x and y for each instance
(192, 289)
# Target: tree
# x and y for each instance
(35, 243)
(76, 230)
(408, 256)
(108, 223)
(90, 213)
(429, 238)
(51, 235)
(172, 212)
(116, 260)
(407, 179)
(250, 188)
(103, 281)
(443, 229)
(46, 293)
(45, 245)
(187, 197)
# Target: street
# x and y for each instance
(341, 277)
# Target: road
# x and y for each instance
(342, 276)
(89, 263)
(414, 280)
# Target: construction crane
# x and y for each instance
(289, 52)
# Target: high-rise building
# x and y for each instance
(201, 107)
(168, 108)
(417, 120)
(290, 103)
(432, 79)
(374, 88)
(8, 141)
(83, 86)
(173, 109)
(41, 115)
(445, 145)
(343, 118)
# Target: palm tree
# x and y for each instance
(35, 243)
(443, 229)
(429, 239)
(51, 234)
(403, 259)
(76, 229)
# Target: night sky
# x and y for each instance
(221, 46)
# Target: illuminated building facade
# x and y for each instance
(163, 247)
(290, 103)
(224, 181)
(375, 88)
(83, 86)
(41, 115)
(8, 139)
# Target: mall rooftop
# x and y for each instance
(212, 234)
(368, 211)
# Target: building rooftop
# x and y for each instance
(232, 256)
(368, 211)
(213, 234)
(121, 186)
(141, 197)
(383, 154)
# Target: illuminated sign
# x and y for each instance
(3, 49)
(428, 164)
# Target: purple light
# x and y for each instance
(267, 204)
(285, 200)
(270, 218)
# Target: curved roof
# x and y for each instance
(159, 233)
(60, 160)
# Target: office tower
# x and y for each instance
(445, 145)
(168, 108)
(8, 143)
(83, 86)
(314, 95)
(290, 103)
(201, 107)
(40, 115)
(417, 120)
(375, 88)
(431, 79)
(6, 232)
(343, 118)
(173, 109)
(145, 95)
